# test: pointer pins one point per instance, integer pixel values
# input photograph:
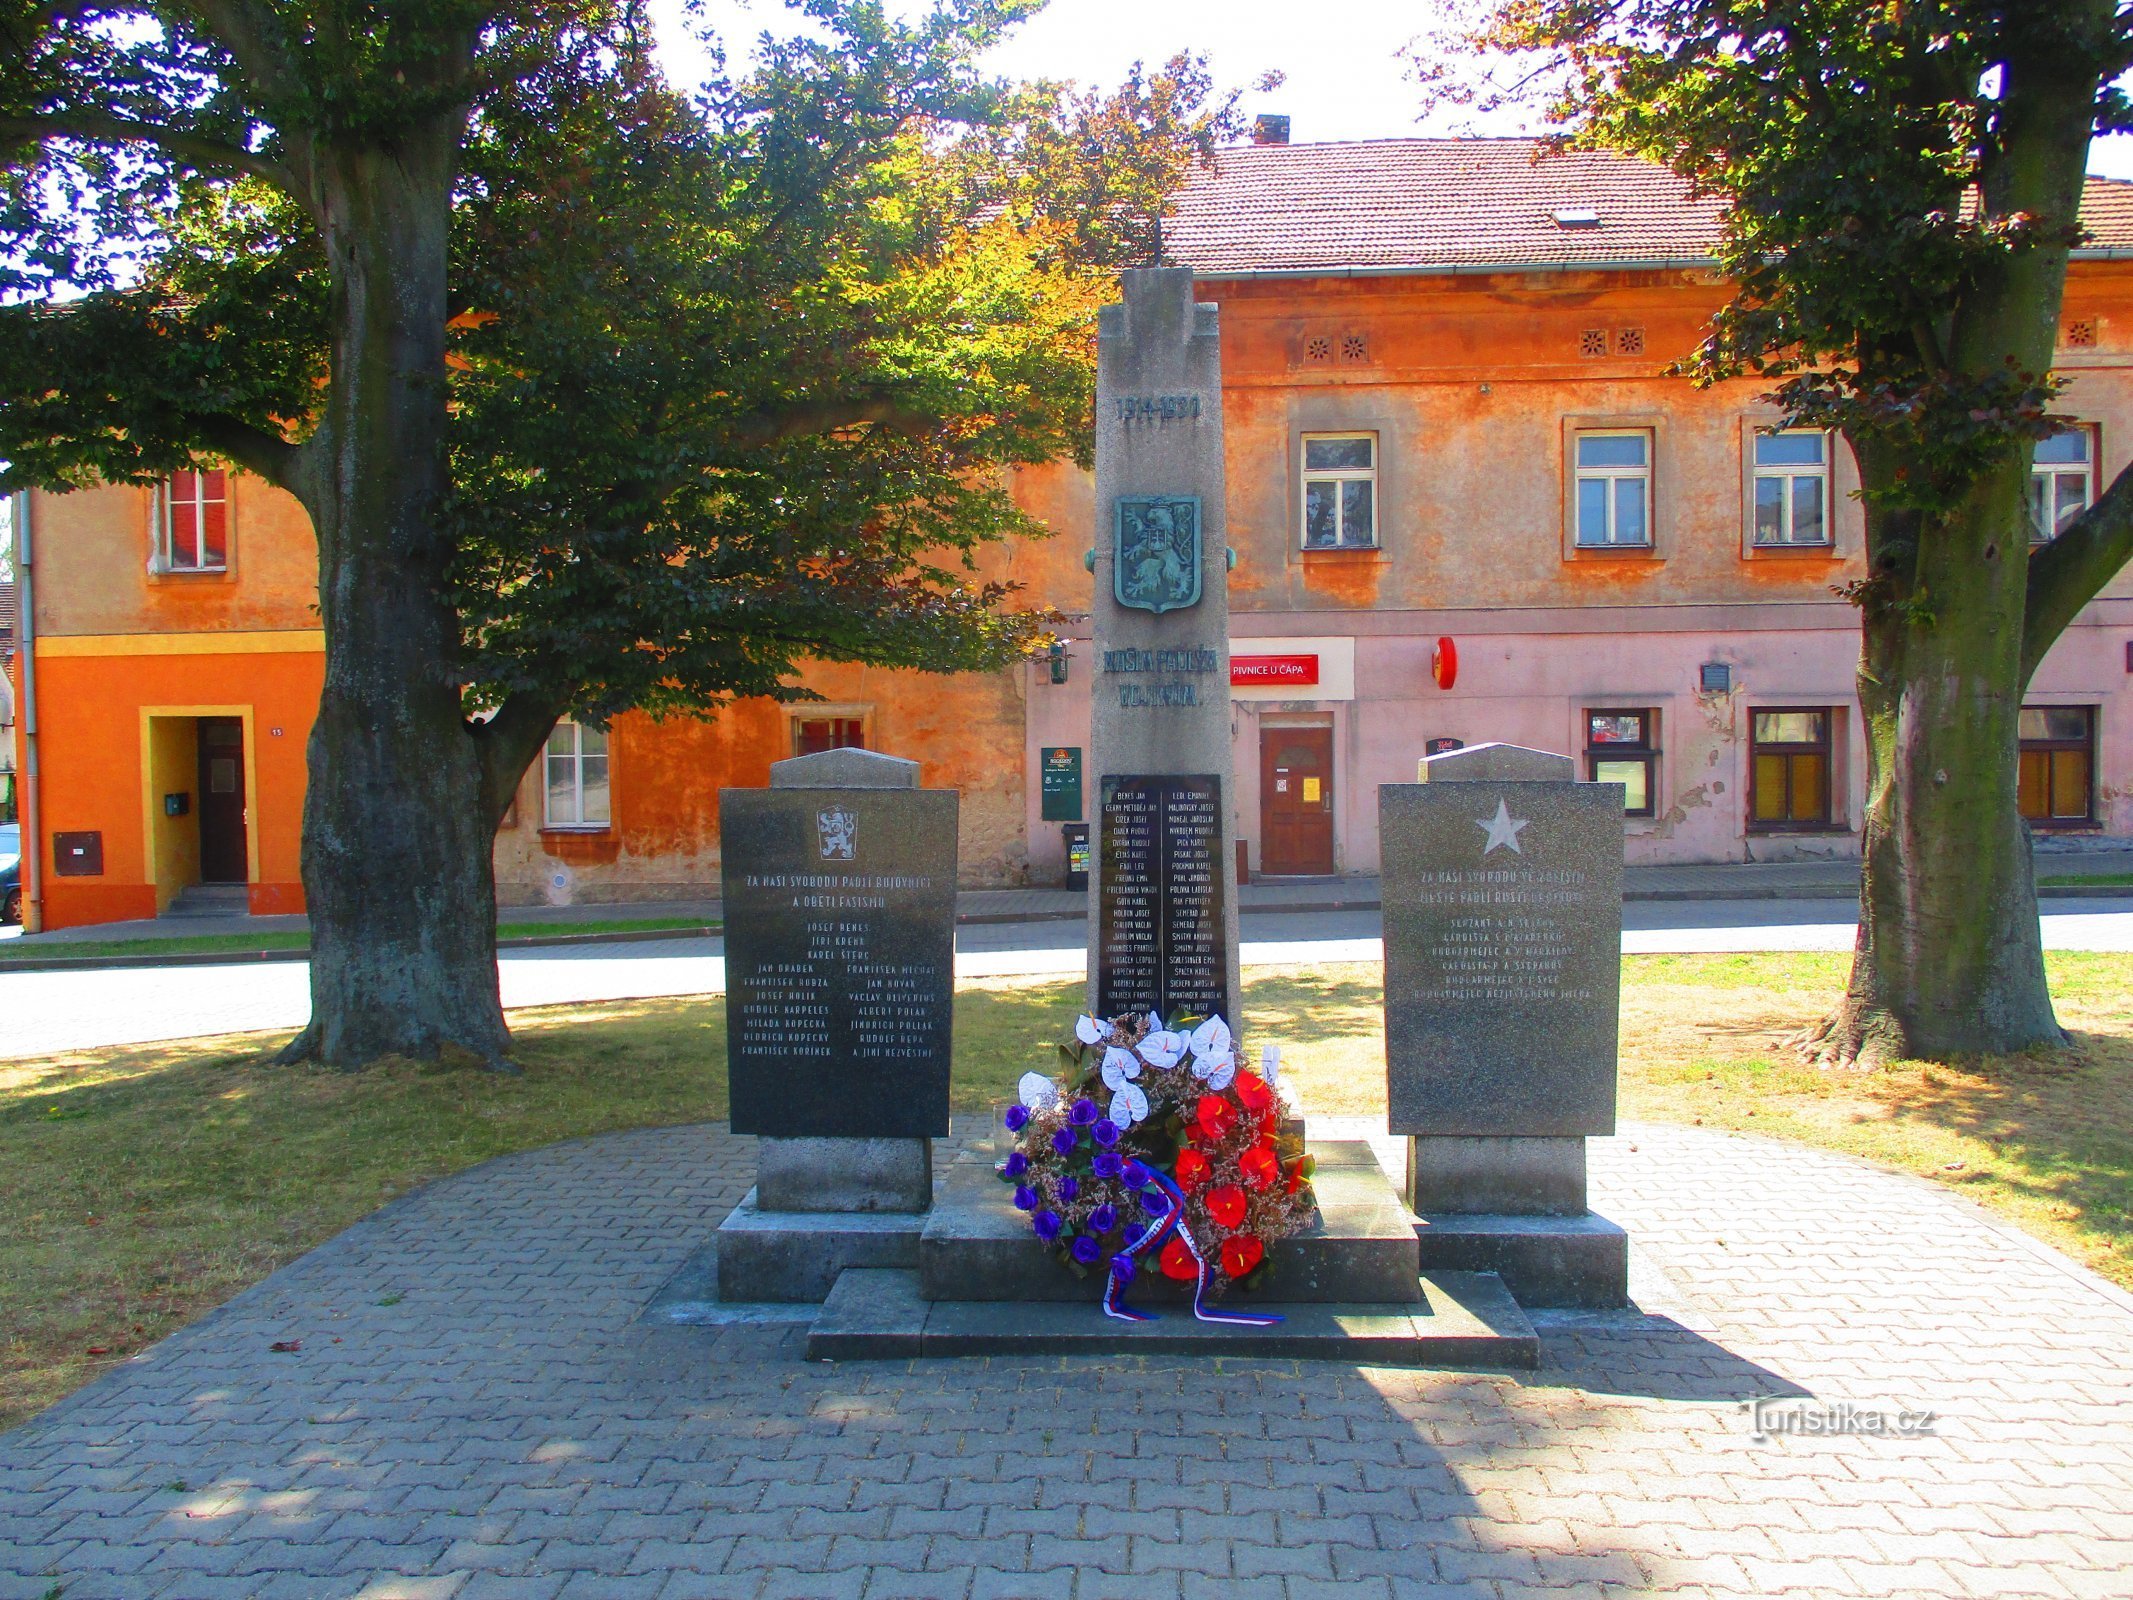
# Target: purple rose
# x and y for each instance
(1084, 1113)
(1103, 1219)
(1017, 1118)
(1047, 1225)
(1086, 1250)
(1136, 1175)
(1122, 1268)
(1016, 1164)
(1155, 1202)
(1025, 1197)
(1105, 1133)
(1108, 1164)
(1068, 1188)
(1135, 1232)
(1064, 1141)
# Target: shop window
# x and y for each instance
(813, 735)
(2057, 774)
(1614, 490)
(1791, 488)
(1623, 747)
(1789, 771)
(577, 790)
(2061, 481)
(193, 523)
(1340, 491)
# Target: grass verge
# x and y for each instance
(36, 949)
(140, 1187)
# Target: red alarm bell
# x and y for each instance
(1444, 664)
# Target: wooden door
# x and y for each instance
(222, 800)
(1296, 801)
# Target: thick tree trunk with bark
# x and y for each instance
(1949, 961)
(399, 816)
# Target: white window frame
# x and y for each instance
(1581, 474)
(571, 760)
(1338, 475)
(166, 513)
(1786, 473)
(2047, 474)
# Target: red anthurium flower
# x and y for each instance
(1193, 1170)
(1254, 1091)
(1260, 1166)
(1177, 1262)
(1215, 1116)
(1241, 1253)
(1226, 1205)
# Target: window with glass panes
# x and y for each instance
(2061, 481)
(813, 735)
(1622, 747)
(1614, 489)
(2057, 772)
(195, 532)
(1789, 762)
(1340, 491)
(1792, 487)
(577, 777)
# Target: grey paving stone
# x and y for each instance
(514, 1409)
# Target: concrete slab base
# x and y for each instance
(1458, 1320)
(1361, 1251)
(796, 1255)
(1580, 1261)
(844, 1174)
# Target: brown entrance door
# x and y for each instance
(1296, 801)
(222, 852)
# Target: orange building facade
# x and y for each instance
(1467, 502)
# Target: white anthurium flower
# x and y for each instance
(1162, 1048)
(1038, 1092)
(1155, 1023)
(1210, 1038)
(1217, 1069)
(1120, 1067)
(1089, 1031)
(1129, 1105)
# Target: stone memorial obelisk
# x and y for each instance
(1164, 920)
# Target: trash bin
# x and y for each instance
(1077, 855)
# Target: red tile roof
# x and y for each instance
(1450, 205)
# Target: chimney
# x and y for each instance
(1270, 129)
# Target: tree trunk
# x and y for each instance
(398, 824)
(1949, 961)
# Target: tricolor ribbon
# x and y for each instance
(1171, 1220)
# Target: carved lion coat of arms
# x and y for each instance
(840, 833)
(1156, 552)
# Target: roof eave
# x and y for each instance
(1470, 269)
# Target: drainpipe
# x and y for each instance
(31, 809)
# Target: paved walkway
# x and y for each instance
(474, 1410)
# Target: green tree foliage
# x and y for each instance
(599, 396)
(1904, 182)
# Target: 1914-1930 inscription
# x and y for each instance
(1160, 916)
(840, 957)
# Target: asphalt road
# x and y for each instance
(44, 1013)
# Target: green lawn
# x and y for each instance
(148, 947)
(140, 1187)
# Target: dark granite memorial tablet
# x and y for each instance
(1503, 956)
(840, 960)
(1160, 917)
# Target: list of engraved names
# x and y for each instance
(1502, 934)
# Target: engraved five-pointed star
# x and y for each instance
(1500, 829)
